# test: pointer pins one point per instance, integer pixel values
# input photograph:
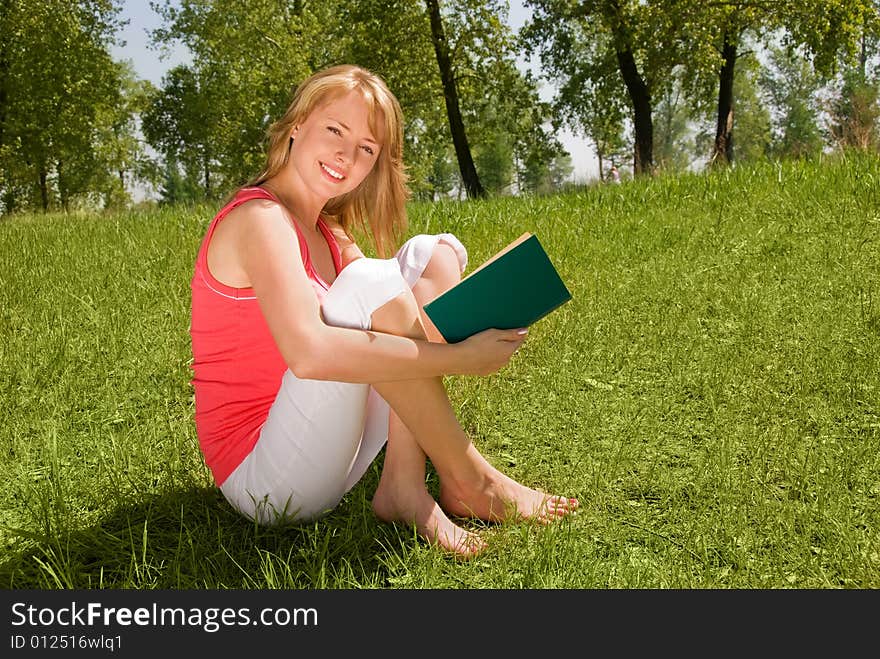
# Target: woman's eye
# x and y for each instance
(368, 149)
(334, 130)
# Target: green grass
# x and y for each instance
(711, 395)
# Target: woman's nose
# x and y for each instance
(345, 153)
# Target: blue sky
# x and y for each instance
(151, 64)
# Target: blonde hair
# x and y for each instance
(379, 202)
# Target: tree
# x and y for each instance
(466, 166)
(497, 105)
(718, 30)
(651, 39)
(514, 125)
(176, 187)
(590, 100)
(181, 121)
(57, 82)
(442, 179)
(715, 35)
(542, 173)
(642, 39)
(120, 148)
(792, 84)
(247, 56)
(672, 128)
(753, 125)
(500, 105)
(370, 32)
(495, 161)
(855, 109)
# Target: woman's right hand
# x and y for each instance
(487, 351)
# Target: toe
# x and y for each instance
(559, 506)
(470, 546)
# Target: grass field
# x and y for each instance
(711, 395)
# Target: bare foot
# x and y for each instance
(501, 498)
(430, 521)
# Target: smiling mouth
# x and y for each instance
(338, 176)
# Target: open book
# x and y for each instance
(514, 288)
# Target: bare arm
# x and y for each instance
(268, 251)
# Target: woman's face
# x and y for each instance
(334, 148)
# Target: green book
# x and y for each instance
(514, 288)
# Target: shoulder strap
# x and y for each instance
(246, 194)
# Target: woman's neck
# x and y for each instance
(304, 208)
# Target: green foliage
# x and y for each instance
(180, 123)
(506, 120)
(121, 150)
(855, 112)
(70, 116)
(177, 187)
(495, 161)
(752, 137)
(827, 29)
(673, 149)
(63, 113)
(676, 44)
(370, 34)
(247, 57)
(581, 46)
(792, 85)
(442, 179)
(539, 173)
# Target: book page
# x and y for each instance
(504, 251)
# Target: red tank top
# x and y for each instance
(237, 368)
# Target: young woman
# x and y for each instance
(301, 343)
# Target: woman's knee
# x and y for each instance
(435, 257)
(444, 267)
(442, 272)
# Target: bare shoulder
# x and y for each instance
(254, 212)
(258, 221)
(248, 228)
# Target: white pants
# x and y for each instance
(321, 436)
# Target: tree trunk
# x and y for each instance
(450, 94)
(4, 68)
(5, 10)
(640, 96)
(44, 188)
(207, 168)
(63, 192)
(722, 152)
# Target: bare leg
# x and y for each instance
(470, 486)
(402, 495)
(422, 421)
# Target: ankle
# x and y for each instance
(394, 489)
(458, 484)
